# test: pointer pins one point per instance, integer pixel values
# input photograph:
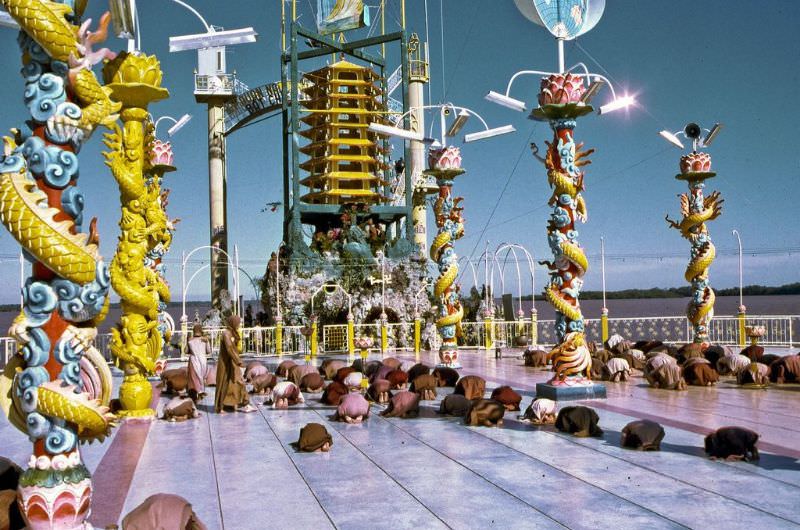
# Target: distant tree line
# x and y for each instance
(683, 292)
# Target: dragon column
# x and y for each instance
(56, 390)
(696, 210)
(135, 81)
(560, 104)
(445, 165)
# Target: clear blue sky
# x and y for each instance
(733, 61)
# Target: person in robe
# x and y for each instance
(231, 389)
(163, 510)
(199, 351)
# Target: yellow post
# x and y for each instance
(417, 336)
(604, 325)
(488, 331)
(351, 327)
(534, 326)
(279, 336)
(384, 336)
(742, 331)
(364, 380)
(313, 346)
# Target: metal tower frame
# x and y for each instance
(297, 212)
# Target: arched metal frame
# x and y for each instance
(185, 259)
(512, 248)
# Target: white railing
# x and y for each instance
(261, 342)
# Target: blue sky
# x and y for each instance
(732, 61)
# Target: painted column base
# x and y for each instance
(570, 393)
(64, 506)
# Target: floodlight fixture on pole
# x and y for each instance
(7, 21)
(177, 124)
(692, 132)
(212, 39)
(712, 134)
(618, 103)
(672, 138)
(596, 82)
(395, 131)
(592, 91)
(505, 101)
(462, 114)
(458, 123)
(488, 133)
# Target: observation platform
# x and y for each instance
(239, 471)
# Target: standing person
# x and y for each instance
(231, 391)
(199, 352)
(248, 316)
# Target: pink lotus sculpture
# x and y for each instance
(559, 89)
(445, 158)
(696, 162)
(161, 153)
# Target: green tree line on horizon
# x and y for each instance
(682, 292)
(625, 294)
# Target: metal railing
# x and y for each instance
(261, 341)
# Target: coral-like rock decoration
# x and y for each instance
(559, 89)
(696, 210)
(560, 105)
(450, 225)
(136, 340)
(696, 162)
(161, 153)
(57, 389)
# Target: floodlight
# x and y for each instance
(458, 124)
(211, 39)
(501, 99)
(592, 91)
(395, 131)
(671, 138)
(179, 124)
(505, 129)
(7, 21)
(712, 134)
(619, 103)
(123, 18)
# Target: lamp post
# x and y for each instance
(563, 98)
(214, 86)
(696, 211)
(444, 164)
(741, 315)
(604, 310)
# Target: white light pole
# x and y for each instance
(214, 86)
(604, 310)
(741, 285)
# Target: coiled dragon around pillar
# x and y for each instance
(697, 210)
(560, 104)
(445, 165)
(56, 390)
(136, 342)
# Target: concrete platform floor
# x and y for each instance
(239, 471)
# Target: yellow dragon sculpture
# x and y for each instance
(136, 342)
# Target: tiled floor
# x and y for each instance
(240, 472)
